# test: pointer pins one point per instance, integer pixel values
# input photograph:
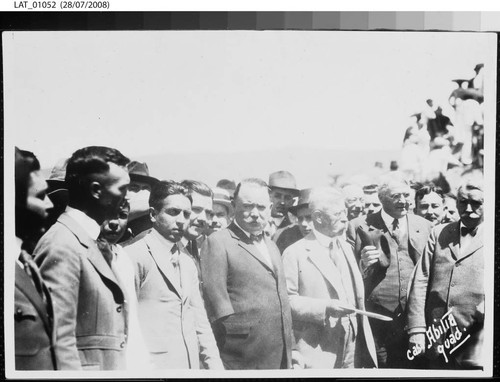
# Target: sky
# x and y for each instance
(150, 93)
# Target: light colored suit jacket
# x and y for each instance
(172, 315)
(313, 280)
(447, 279)
(90, 308)
(246, 301)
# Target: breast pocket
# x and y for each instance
(30, 334)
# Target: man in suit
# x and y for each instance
(282, 191)
(89, 303)
(244, 286)
(449, 288)
(354, 200)
(324, 284)
(304, 224)
(387, 245)
(222, 211)
(139, 221)
(33, 313)
(200, 219)
(171, 312)
(429, 203)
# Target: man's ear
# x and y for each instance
(95, 190)
(316, 217)
(152, 214)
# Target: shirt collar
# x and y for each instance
(323, 239)
(278, 220)
(478, 228)
(246, 232)
(165, 242)
(388, 219)
(88, 224)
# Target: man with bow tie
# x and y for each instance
(324, 285)
(244, 286)
(171, 311)
(449, 280)
(387, 245)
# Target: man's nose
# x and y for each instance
(468, 208)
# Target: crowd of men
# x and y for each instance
(119, 270)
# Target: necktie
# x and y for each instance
(396, 232)
(106, 251)
(464, 231)
(175, 255)
(193, 249)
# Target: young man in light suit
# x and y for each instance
(171, 312)
(89, 304)
(324, 284)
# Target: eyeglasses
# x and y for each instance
(398, 196)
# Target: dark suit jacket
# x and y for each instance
(89, 305)
(371, 230)
(247, 301)
(446, 279)
(33, 326)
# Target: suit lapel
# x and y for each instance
(244, 243)
(474, 245)
(454, 237)
(417, 236)
(319, 256)
(25, 285)
(355, 274)
(157, 251)
(94, 255)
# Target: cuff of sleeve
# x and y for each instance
(416, 330)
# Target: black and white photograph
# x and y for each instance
(248, 203)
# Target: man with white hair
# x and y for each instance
(387, 245)
(449, 287)
(324, 285)
(354, 200)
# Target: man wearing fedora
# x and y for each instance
(282, 191)
(303, 226)
(139, 221)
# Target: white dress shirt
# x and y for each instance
(261, 247)
(388, 220)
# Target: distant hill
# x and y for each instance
(310, 166)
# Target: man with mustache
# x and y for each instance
(222, 211)
(449, 280)
(171, 312)
(244, 286)
(387, 245)
(282, 191)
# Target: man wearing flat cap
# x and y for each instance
(139, 220)
(282, 191)
(304, 224)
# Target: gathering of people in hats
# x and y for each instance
(116, 269)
